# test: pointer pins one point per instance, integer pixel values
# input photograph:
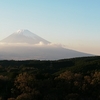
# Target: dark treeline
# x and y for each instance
(66, 79)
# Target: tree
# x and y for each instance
(25, 82)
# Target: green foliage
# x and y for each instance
(66, 79)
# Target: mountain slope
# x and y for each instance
(38, 52)
(24, 36)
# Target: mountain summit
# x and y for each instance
(24, 36)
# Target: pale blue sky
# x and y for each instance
(74, 23)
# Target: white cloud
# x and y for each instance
(40, 44)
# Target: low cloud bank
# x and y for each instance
(40, 44)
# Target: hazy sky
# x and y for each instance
(73, 23)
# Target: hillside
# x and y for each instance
(66, 79)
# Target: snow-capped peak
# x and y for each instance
(25, 32)
(20, 31)
(24, 36)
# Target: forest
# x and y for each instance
(65, 79)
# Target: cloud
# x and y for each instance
(40, 44)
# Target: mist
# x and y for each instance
(40, 51)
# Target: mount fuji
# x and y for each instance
(25, 45)
(24, 36)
